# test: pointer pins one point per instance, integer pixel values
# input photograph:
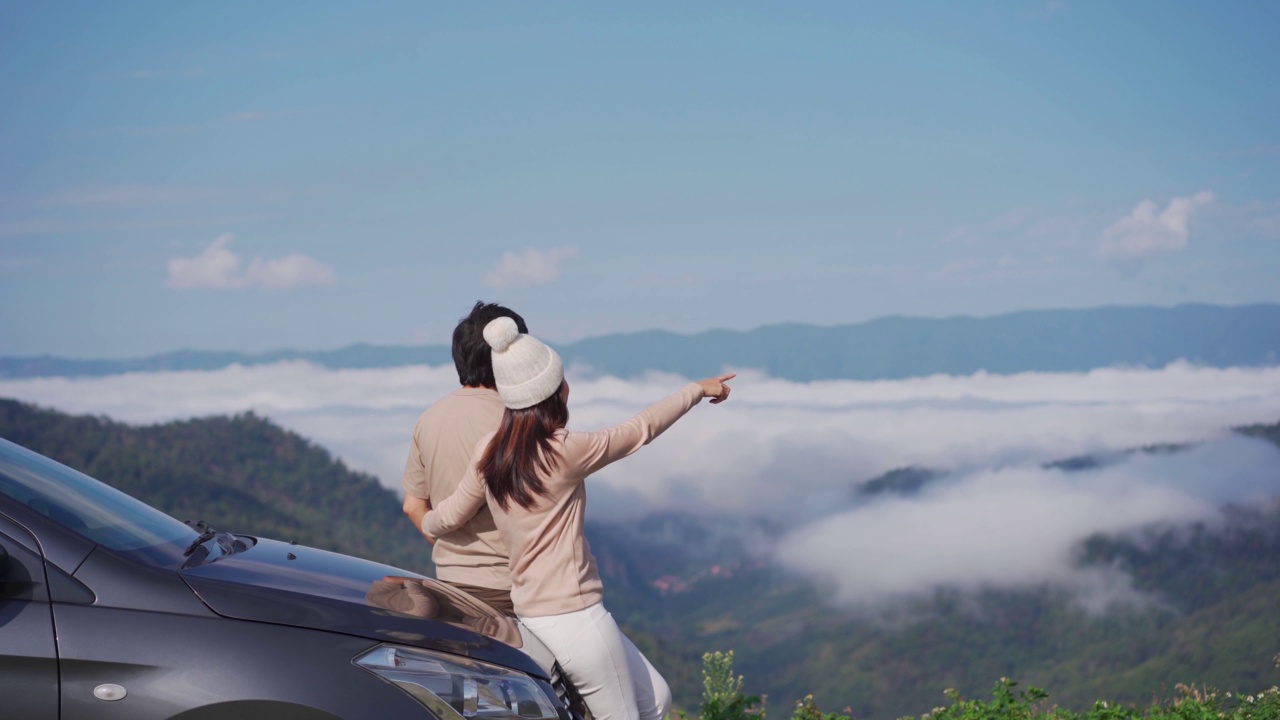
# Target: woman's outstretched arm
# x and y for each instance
(595, 450)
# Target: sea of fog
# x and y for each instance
(796, 452)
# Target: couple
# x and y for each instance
(495, 482)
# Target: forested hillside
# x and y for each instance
(243, 474)
(1209, 608)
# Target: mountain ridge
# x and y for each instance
(890, 347)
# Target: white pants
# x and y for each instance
(536, 649)
(612, 675)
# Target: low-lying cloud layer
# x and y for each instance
(796, 452)
(1021, 526)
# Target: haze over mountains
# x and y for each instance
(885, 348)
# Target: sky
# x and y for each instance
(794, 454)
(251, 176)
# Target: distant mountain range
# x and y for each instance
(885, 348)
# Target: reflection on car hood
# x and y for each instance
(301, 586)
(431, 599)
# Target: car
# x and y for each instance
(111, 609)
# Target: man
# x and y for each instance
(473, 558)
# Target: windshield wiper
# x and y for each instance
(227, 543)
(205, 536)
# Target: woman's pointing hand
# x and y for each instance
(715, 388)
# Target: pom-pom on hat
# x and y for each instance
(527, 371)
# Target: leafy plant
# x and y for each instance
(722, 697)
(807, 709)
(1192, 703)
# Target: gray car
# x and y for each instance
(111, 609)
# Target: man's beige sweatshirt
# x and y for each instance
(552, 569)
(443, 440)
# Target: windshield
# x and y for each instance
(93, 509)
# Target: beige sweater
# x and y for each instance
(552, 568)
(443, 440)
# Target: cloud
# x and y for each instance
(528, 268)
(296, 270)
(824, 437)
(796, 453)
(217, 267)
(1020, 526)
(1147, 232)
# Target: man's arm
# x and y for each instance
(416, 508)
(414, 484)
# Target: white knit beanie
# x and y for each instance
(527, 372)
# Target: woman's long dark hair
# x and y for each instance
(522, 451)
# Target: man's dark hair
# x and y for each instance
(471, 354)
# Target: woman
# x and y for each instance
(530, 473)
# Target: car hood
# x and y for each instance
(300, 586)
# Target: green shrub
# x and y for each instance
(722, 699)
(1008, 703)
(807, 709)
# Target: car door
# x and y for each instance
(28, 649)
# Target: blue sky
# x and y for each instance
(247, 176)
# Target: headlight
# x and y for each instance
(459, 688)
